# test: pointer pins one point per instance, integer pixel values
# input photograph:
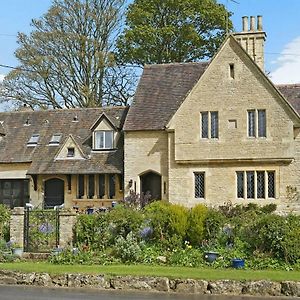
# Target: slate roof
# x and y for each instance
(291, 92)
(78, 122)
(161, 91)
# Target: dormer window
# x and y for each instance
(33, 140)
(55, 139)
(103, 139)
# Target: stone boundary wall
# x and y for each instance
(153, 284)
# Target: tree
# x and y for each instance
(172, 31)
(67, 60)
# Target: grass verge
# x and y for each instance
(143, 270)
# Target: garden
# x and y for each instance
(168, 235)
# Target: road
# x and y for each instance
(36, 293)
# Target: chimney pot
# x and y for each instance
(252, 23)
(259, 23)
(245, 23)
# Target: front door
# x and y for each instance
(151, 184)
(54, 192)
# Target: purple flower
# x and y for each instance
(146, 232)
(46, 228)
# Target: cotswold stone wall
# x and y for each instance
(154, 284)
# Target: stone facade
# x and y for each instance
(179, 151)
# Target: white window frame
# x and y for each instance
(96, 146)
(55, 139)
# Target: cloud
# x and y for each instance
(288, 70)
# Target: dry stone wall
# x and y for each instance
(153, 284)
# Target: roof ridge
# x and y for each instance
(288, 84)
(64, 109)
(177, 64)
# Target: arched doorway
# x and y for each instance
(151, 183)
(54, 192)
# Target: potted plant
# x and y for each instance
(17, 249)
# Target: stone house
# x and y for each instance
(215, 131)
(72, 157)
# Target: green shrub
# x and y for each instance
(123, 220)
(169, 222)
(196, 224)
(214, 223)
(92, 231)
(4, 222)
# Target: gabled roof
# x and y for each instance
(163, 88)
(99, 120)
(161, 91)
(20, 126)
(291, 92)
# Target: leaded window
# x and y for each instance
(262, 130)
(204, 125)
(214, 129)
(250, 184)
(271, 184)
(251, 123)
(209, 124)
(258, 184)
(240, 184)
(199, 185)
(260, 179)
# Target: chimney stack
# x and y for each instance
(245, 23)
(253, 39)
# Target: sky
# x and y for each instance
(281, 21)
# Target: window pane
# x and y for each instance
(99, 142)
(204, 124)
(271, 184)
(250, 184)
(112, 186)
(240, 184)
(101, 185)
(34, 139)
(80, 186)
(55, 139)
(199, 185)
(108, 139)
(91, 186)
(262, 123)
(260, 184)
(214, 124)
(251, 123)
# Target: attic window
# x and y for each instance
(71, 152)
(33, 140)
(231, 70)
(103, 139)
(55, 139)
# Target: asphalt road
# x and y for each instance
(36, 293)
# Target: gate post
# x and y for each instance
(17, 226)
(67, 221)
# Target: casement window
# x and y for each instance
(199, 179)
(209, 125)
(257, 123)
(33, 140)
(103, 139)
(255, 184)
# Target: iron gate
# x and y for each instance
(41, 230)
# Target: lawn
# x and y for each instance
(140, 270)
